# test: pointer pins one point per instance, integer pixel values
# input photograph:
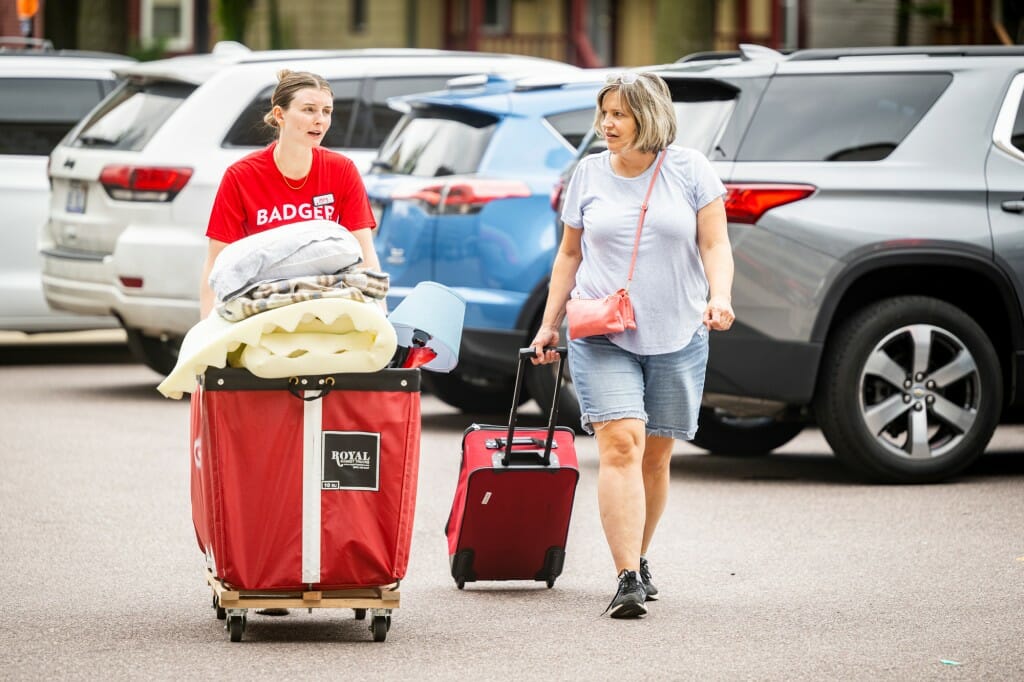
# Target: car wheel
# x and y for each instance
(910, 391)
(472, 395)
(722, 433)
(159, 354)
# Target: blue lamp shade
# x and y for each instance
(437, 310)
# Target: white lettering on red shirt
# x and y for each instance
(293, 212)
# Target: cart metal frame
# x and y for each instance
(232, 605)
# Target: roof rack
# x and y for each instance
(921, 50)
(17, 46)
(710, 55)
(21, 44)
(748, 52)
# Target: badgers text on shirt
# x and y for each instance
(293, 212)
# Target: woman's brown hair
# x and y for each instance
(289, 83)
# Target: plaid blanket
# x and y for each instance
(358, 284)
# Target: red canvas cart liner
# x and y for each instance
(308, 482)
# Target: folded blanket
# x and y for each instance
(308, 247)
(321, 336)
(355, 283)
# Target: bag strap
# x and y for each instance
(643, 214)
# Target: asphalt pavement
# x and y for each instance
(773, 568)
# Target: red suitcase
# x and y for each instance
(510, 516)
(305, 483)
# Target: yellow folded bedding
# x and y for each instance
(322, 336)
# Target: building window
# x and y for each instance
(497, 16)
(168, 22)
(358, 20)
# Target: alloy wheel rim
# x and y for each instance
(919, 389)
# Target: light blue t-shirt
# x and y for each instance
(669, 290)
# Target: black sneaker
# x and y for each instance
(645, 578)
(630, 597)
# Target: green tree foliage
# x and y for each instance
(232, 17)
(683, 28)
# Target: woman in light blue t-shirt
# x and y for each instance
(640, 389)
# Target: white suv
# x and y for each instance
(133, 183)
(45, 93)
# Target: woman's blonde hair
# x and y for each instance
(289, 83)
(646, 96)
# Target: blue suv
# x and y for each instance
(463, 188)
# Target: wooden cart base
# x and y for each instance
(232, 605)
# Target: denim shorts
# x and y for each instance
(662, 390)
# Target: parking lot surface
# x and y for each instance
(778, 567)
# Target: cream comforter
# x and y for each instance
(322, 336)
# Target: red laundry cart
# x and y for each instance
(304, 489)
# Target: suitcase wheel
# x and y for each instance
(460, 583)
(360, 614)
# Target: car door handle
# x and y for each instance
(1013, 206)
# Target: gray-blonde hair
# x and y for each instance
(648, 99)
(289, 83)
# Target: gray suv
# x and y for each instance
(876, 212)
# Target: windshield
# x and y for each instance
(438, 141)
(130, 116)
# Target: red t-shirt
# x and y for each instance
(253, 196)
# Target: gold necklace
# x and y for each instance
(287, 184)
(301, 185)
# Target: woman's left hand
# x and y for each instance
(718, 315)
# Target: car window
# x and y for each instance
(700, 124)
(856, 117)
(432, 142)
(346, 97)
(1017, 137)
(131, 115)
(35, 113)
(703, 108)
(573, 125)
(375, 118)
(249, 130)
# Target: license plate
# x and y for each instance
(76, 198)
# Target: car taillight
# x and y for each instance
(747, 202)
(135, 183)
(464, 196)
(556, 194)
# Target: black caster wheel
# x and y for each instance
(379, 628)
(460, 583)
(236, 626)
(550, 583)
(360, 614)
(221, 613)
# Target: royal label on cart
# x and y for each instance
(351, 461)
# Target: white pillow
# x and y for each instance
(310, 247)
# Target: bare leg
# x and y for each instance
(656, 460)
(620, 489)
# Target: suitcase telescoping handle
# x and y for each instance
(524, 357)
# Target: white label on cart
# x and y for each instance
(312, 421)
(351, 460)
